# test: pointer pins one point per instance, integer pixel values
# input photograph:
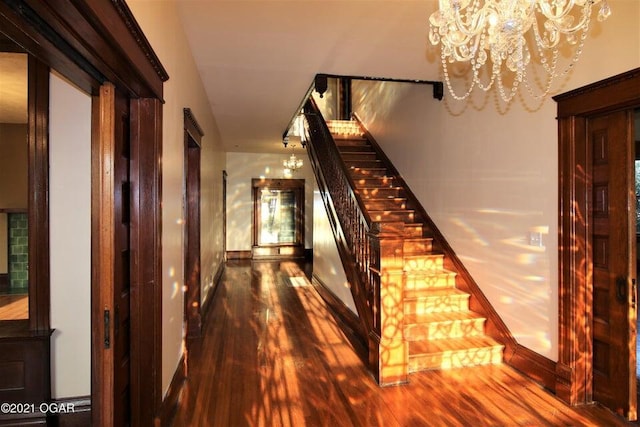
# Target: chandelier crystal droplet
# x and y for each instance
(496, 38)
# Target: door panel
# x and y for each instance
(122, 264)
(111, 258)
(612, 253)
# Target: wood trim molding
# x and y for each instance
(171, 400)
(191, 125)
(102, 249)
(141, 40)
(535, 366)
(348, 321)
(38, 142)
(620, 91)
(206, 306)
(573, 369)
(146, 236)
(87, 42)
(74, 412)
(237, 255)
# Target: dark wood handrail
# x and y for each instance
(349, 222)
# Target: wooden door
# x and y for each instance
(192, 153)
(613, 257)
(112, 255)
(193, 309)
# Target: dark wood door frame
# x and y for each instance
(224, 216)
(193, 302)
(91, 43)
(573, 370)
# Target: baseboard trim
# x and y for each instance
(170, 402)
(308, 254)
(535, 366)
(347, 320)
(212, 292)
(77, 412)
(233, 255)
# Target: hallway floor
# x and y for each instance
(272, 355)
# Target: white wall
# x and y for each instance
(70, 238)
(327, 264)
(161, 25)
(487, 175)
(242, 167)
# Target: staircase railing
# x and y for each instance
(350, 224)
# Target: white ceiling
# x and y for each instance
(257, 58)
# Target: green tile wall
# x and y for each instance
(18, 252)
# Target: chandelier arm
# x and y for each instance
(586, 13)
(545, 9)
(474, 28)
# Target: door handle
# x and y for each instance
(621, 289)
(107, 325)
(634, 293)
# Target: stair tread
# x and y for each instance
(394, 187)
(386, 199)
(417, 348)
(428, 272)
(411, 294)
(423, 255)
(391, 210)
(438, 317)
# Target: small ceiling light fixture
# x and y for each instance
(293, 163)
(501, 35)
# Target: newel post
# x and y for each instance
(388, 357)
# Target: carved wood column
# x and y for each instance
(389, 360)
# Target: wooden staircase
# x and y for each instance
(439, 331)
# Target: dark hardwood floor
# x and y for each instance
(272, 355)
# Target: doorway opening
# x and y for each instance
(278, 218)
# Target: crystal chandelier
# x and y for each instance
(293, 163)
(502, 35)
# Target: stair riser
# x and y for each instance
(379, 193)
(343, 127)
(374, 182)
(352, 148)
(434, 263)
(359, 157)
(417, 246)
(456, 359)
(359, 173)
(406, 216)
(430, 281)
(413, 231)
(345, 141)
(439, 304)
(444, 330)
(363, 163)
(385, 204)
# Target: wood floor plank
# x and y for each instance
(272, 355)
(14, 307)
